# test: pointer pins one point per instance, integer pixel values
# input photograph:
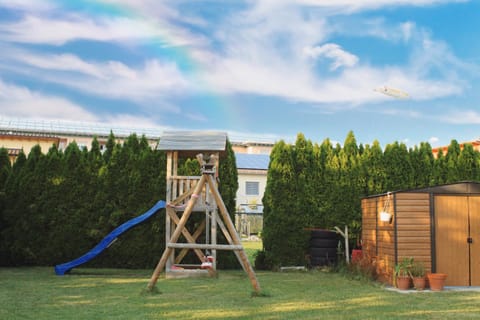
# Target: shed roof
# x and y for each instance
(463, 187)
(193, 141)
(252, 161)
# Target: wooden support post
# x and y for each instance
(186, 234)
(345, 236)
(205, 246)
(195, 236)
(176, 233)
(235, 238)
(168, 223)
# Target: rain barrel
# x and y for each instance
(323, 247)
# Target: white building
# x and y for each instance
(252, 180)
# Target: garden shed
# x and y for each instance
(438, 225)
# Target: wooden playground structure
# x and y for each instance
(195, 195)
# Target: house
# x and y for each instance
(252, 180)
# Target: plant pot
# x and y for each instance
(419, 283)
(385, 216)
(403, 282)
(437, 281)
(356, 255)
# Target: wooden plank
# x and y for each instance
(411, 196)
(233, 233)
(186, 234)
(168, 222)
(414, 247)
(413, 202)
(412, 214)
(417, 221)
(414, 240)
(195, 236)
(412, 233)
(204, 246)
(409, 227)
(175, 235)
(413, 252)
(413, 208)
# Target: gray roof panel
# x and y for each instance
(193, 140)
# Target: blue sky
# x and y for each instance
(261, 70)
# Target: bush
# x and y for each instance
(262, 262)
(363, 269)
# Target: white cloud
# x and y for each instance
(57, 62)
(107, 79)
(259, 54)
(340, 57)
(21, 102)
(357, 5)
(42, 28)
(28, 5)
(433, 140)
(18, 102)
(462, 117)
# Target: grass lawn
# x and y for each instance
(37, 293)
(251, 248)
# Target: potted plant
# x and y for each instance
(402, 275)
(417, 272)
(437, 281)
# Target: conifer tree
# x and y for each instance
(283, 233)
(468, 164)
(306, 204)
(398, 167)
(373, 168)
(451, 159)
(5, 171)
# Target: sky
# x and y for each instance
(260, 70)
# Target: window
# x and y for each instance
(251, 188)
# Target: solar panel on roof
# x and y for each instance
(252, 161)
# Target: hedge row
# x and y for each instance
(311, 185)
(56, 206)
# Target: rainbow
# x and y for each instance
(161, 44)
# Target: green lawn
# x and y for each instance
(251, 248)
(37, 293)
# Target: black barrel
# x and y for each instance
(323, 247)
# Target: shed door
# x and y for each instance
(451, 233)
(474, 203)
(457, 219)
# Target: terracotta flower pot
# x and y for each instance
(419, 283)
(403, 283)
(437, 281)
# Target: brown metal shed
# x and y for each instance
(438, 225)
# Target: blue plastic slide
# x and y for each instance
(61, 269)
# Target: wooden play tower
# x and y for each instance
(196, 195)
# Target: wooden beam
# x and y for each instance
(168, 223)
(204, 246)
(186, 234)
(176, 233)
(182, 197)
(195, 236)
(235, 238)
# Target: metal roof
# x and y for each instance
(252, 161)
(193, 140)
(461, 187)
(72, 128)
